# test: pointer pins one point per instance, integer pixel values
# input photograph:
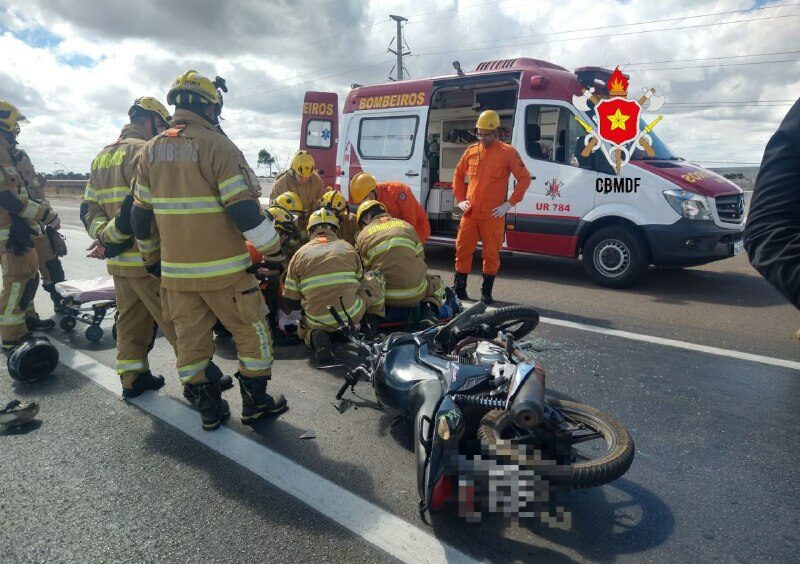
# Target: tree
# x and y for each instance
(266, 159)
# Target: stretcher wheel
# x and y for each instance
(94, 333)
(67, 323)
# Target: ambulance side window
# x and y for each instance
(318, 133)
(387, 137)
(551, 133)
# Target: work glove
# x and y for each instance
(501, 210)
(20, 236)
(154, 270)
(116, 249)
(464, 205)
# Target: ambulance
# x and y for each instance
(660, 210)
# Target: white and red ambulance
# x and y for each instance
(660, 210)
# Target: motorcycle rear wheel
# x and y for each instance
(497, 431)
(517, 320)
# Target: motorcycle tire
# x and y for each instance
(517, 320)
(586, 474)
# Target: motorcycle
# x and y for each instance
(476, 397)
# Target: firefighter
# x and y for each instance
(348, 226)
(303, 181)
(105, 213)
(29, 357)
(196, 201)
(397, 198)
(488, 163)
(48, 242)
(327, 271)
(391, 246)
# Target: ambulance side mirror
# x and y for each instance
(601, 164)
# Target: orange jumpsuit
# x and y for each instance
(401, 203)
(488, 170)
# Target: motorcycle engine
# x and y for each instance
(487, 354)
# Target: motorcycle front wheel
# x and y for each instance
(602, 450)
(517, 320)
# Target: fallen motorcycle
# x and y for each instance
(475, 396)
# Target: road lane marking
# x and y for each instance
(674, 343)
(386, 531)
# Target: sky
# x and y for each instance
(730, 69)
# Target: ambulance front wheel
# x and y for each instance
(615, 257)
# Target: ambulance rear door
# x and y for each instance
(319, 132)
(387, 143)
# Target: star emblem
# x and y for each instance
(618, 120)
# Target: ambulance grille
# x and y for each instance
(730, 209)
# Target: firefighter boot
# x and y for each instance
(55, 297)
(486, 289)
(460, 286)
(256, 402)
(323, 348)
(143, 382)
(225, 383)
(207, 399)
(36, 324)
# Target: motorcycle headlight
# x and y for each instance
(443, 428)
(689, 205)
(450, 425)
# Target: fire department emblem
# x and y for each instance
(617, 131)
(553, 188)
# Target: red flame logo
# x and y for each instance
(617, 84)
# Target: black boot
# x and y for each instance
(36, 324)
(143, 382)
(323, 348)
(486, 289)
(430, 314)
(55, 297)
(256, 402)
(207, 399)
(460, 286)
(225, 383)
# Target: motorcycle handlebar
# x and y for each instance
(337, 317)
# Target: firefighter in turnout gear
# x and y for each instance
(49, 243)
(196, 201)
(397, 198)
(488, 164)
(327, 271)
(17, 251)
(391, 246)
(348, 226)
(302, 180)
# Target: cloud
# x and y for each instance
(75, 68)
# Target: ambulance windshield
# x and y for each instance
(660, 148)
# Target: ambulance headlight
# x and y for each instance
(689, 205)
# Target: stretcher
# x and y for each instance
(88, 301)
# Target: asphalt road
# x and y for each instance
(715, 475)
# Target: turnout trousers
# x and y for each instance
(20, 280)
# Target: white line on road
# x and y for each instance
(674, 343)
(388, 532)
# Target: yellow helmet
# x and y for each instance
(334, 201)
(290, 201)
(192, 86)
(488, 120)
(10, 116)
(283, 219)
(323, 216)
(360, 185)
(366, 206)
(150, 104)
(303, 164)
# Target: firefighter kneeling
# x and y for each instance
(326, 271)
(391, 246)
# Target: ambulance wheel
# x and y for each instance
(615, 257)
(67, 323)
(94, 333)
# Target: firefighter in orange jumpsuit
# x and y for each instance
(396, 196)
(488, 163)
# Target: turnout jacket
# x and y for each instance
(392, 247)
(320, 272)
(772, 232)
(310, 193)
(196, 200)
(110, 181)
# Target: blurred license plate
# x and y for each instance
(738, 247)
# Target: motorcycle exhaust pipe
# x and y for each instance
(527, 408)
